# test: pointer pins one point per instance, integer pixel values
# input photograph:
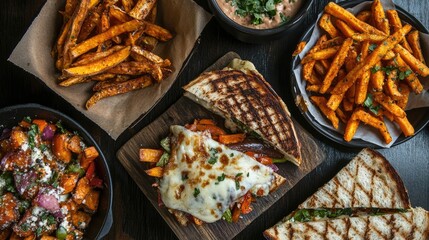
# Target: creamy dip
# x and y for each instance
(284, 11)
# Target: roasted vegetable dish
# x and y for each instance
(49, 188)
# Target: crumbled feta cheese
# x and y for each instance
(47, 173)
(25, 146)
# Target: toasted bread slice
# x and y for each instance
(413, 224)
(368, 181)
(245, 98)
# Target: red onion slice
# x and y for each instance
(47, 201)
(48, 133)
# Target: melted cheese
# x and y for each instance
(204, 177)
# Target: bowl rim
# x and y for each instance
(107, 221)
(333, 135)
(219, 14)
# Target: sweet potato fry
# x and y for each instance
(389, 104)
(77, 20)
(351, 59)
(138, 68)
(415, 64)
(299, 48)
(391, 86)
(70, 7)
(319, 68)
(73, 81)
(119, 14)
(94, 56)
(231, 138)
(389, 56)
(335, 101)
(307, 69)
(374, 122)
(312, 88)
(350, 130)
(150, 155)
(377, 78)
(402, 100)
(341, 115)
(348, 105)
(364, 15)
(128, 5)
(360, 37)
(155, 172)
(321, 103)
(322, 54)
(379, 17)
(110, 82)
(100, 65)
(123, 87)
(341, 13)
(337, 63)
(414, 42)
(88, 25)
(371, 60)
(156, 31)
(411, 79)
(93, 42)
(152, 14)
(406, 127)
(326, 24)
(142, 9)
(362, 83)
(344, 28)
(149, 56)
(396, 24)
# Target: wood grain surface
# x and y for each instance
(134, 216)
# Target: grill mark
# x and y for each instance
(413, 227)
(365, 235)
(348, 226)
(330, 195)
(389, 223)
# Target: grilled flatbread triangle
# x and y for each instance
(203, 177)
(368, 181)
(413, 224)
(247, 100)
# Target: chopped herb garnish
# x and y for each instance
(39, 231)
(59, 125)
(196, 192)
(184, 177)
(165, 143)
(372, 47)
(369, 104)
(213, 156)
(248, 174)
(358, 58)
(32, 133)
(284, 18)
(375, 69)
(231, 155)
(43, 147)
(405, 74)
(27, 119)
(237, 182)
(255, 9)
(221, 178)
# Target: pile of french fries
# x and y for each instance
(364, 68)
(110, 42)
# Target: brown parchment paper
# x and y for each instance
(364, 132)
(184, 18)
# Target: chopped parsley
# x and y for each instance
(359, 57)
(284, 18)
(213, 156)
(32, 133)
(231, 155)
(163, 160)
(375, 69)
(372, 47)
(220, 178)
(405, 74)
(237, 182)
(369, 104)
(227, 215)
(59, 125)
(27, 119)
(256, 9)
(196, 192)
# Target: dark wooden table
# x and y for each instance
(134, 217)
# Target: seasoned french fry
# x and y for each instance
(307, 69)
(111, 82)
(312, 88)
(364, 16)
(128, 5)
(70, 7)
(321, 103)
(77, 20)
(362, 83)
(351, 59)
(348, 105)
(120, 88)
(396, 24)
(389, 104)
(137, 68)
(344, 28)
(402, 100)
(314, 79)
(326, 24)
(73, 80)
(337, 63)
(119, 14)
(94, 56)
(391, 86)
(142, 9)
(411, 79)
(371, 60)
(136, 50)
(152, 14)
(414, 42)
(99, 65)
(389, 56)
(319, 68)
(406, 127)
(335, 101)
(299, 48)
(374, 122)
(88, 25)
(102, 77)
(341, 115)
(155, 172)
(93, 42)
(340, 13)
(416, 65)
(379, 17)
(322, 54)
(350, 130)
(377, 78)
(360, 37)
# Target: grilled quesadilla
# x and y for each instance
(248, 102)
(412, 224)
(204, 178)
(367, 190)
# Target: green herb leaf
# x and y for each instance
(375, 69)
(237, 182)
(59, 125)
(27, 119)
(163, 160)
(165, 143)
(369, 104)
(213, 156)
(32, 133)
(196, 192)
(227, 216)
(372, 47)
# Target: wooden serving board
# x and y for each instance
(185, 111)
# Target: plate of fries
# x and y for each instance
(110, 43)
(360, 73)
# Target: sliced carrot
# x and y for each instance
(155, 172)
(42, 124)
(206, 121)
(231, 138)
(214, 130)
(245, 205)
(236, 214)
(150, 155)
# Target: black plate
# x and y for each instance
(101, 221)
(419, 117)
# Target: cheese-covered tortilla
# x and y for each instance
(203, 177)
